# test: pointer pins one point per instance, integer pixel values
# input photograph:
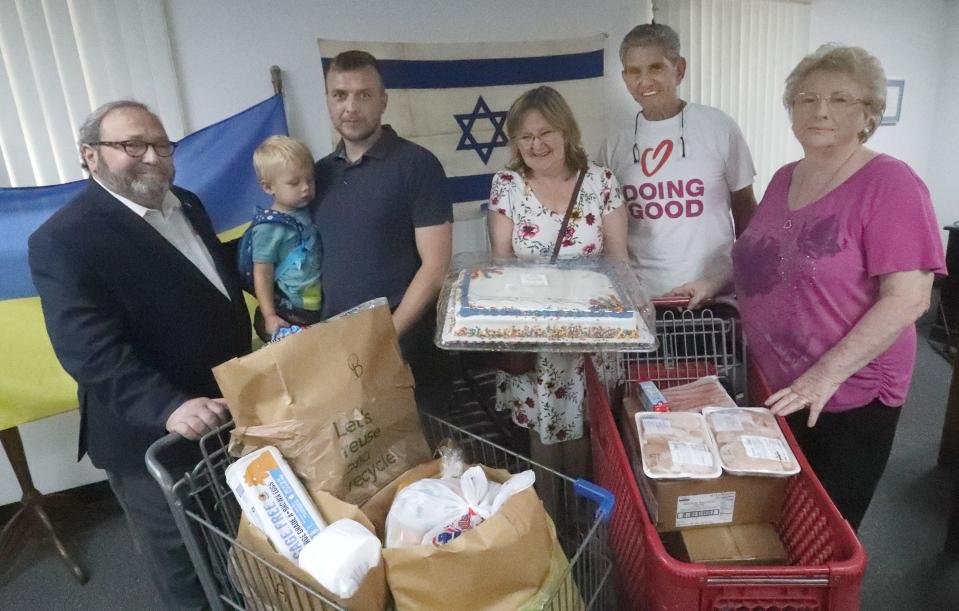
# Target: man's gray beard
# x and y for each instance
(148, 188)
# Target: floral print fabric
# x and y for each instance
(550, 399)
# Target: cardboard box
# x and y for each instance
(688, 503)
(737, 544)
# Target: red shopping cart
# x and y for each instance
(826, 560)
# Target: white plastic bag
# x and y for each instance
(439, 510)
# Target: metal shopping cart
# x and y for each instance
(826, 561)
(692, 344)
(208, 518)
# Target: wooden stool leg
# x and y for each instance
(32, 500)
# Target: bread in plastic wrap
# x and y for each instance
(676, 446)
(750, 441)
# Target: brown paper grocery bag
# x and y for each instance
(335, 399)
(272, 588)
(559, 584)
(497, 566)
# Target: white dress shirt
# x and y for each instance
(172, 224)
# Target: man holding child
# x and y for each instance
(384, 217)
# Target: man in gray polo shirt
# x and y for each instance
(384, 217)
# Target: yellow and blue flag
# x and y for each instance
(214, 162)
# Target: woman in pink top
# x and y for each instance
(832, 273)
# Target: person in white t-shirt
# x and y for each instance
(685, 172)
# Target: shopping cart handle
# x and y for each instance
(678, 302)
(602, 496)
(154, 461)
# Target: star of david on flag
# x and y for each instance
(468, 120)
(452, 98)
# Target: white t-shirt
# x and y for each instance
(679, 215)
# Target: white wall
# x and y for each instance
(909, 39)
(226, 71)
(51, 448)
(943, 142)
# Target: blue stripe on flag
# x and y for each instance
(22, 210)
(215, 163)
(469, 188)
(440, 74)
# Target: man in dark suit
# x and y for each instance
(140, 303)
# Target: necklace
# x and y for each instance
(825, 186)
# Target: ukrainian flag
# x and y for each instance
(215, 163)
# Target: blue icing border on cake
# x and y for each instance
(467, 310)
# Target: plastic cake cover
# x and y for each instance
(521, 305)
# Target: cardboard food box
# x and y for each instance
(688, 503)
(736, 544)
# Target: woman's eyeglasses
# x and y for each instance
(839, 101)
(527, 140)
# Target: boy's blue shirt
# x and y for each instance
(299, 278)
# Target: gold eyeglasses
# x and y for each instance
(838, 101)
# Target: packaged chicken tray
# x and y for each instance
(676, 446)
(750, 441)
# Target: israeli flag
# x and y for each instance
(452, 98)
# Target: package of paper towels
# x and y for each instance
(341, 556)
(274, 500)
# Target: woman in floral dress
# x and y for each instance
(527, 205)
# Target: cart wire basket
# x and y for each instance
(208, 517)
(826, 560)
(692, 344)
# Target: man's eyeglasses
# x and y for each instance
(136, 148)
(838, 101)
(682, 133)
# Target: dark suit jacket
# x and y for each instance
(134, 322)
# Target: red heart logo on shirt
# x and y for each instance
(659, 155)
